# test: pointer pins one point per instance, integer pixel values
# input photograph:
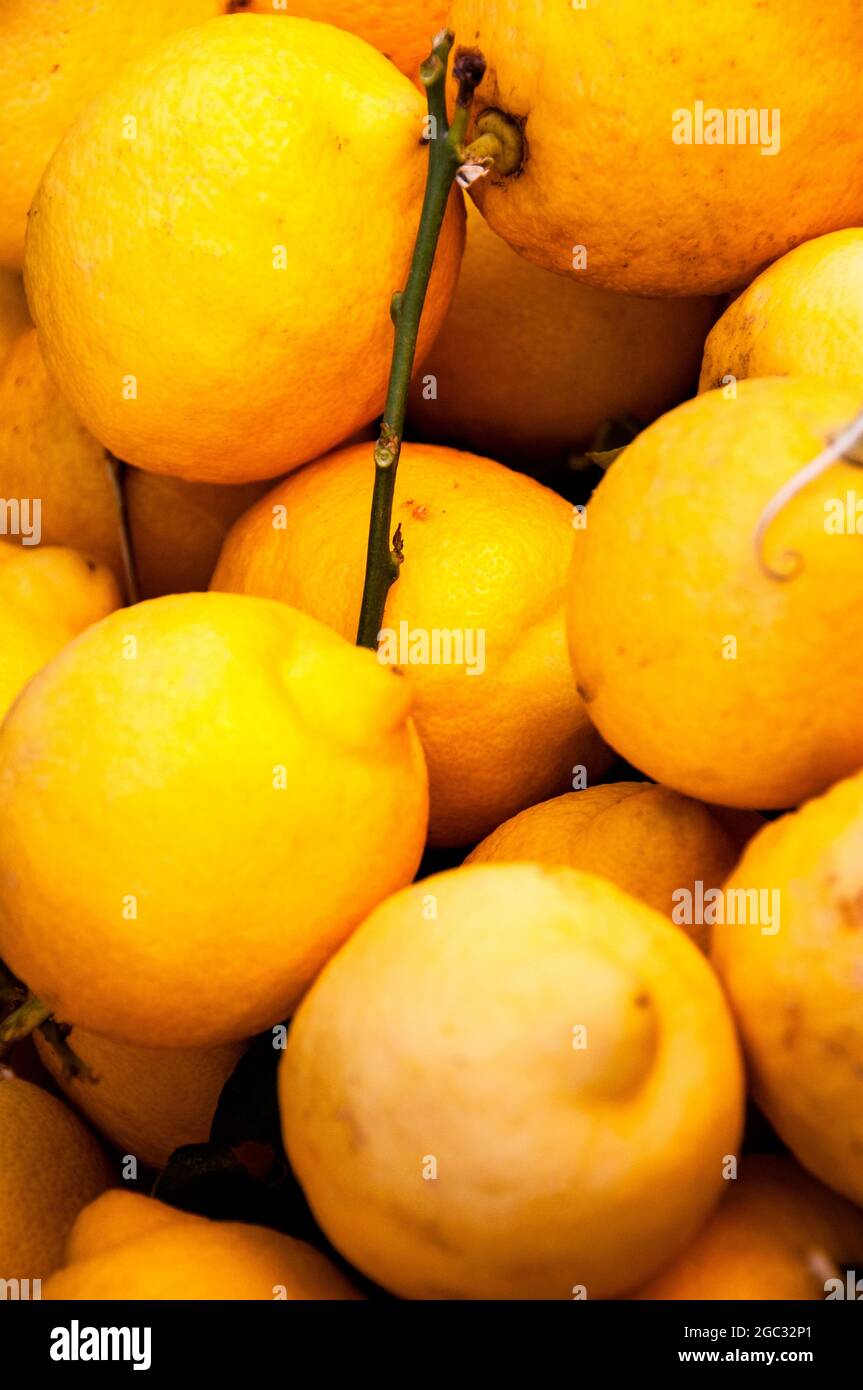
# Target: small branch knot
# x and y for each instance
(468, 69)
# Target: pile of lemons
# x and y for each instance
(570, 872)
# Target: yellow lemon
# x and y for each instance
(528, 366)
(403, 31)
(670, 148)
(14, 316)
(475, 619)
(803, 315)
(281, 168)
(47, 596)
(199, 800)
(708, 673)
(652, 842)
(117, 1218)
(135, 1248)
(176, 527)
(55, 56)
(794, 985)
(776, 1235)
(50, 1167)
(512, 1082)
(146, 1101)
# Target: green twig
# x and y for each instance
(73, 1066)
(446, 157)
(22, 1022)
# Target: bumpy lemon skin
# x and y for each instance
(48, 594)
(279, 213)
(50, 1167)
(130, 1248)
(146, 1101)
(795, 992)
(483, 1154)
(486, 553)
(801, 316)
(648, 840)
(598, 89)
(776, 1235)
(551, 360)
(402, 31)
(200, 799)
(689, 648)
(55, 56)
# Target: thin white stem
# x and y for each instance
(843, 446)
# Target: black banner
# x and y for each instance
(244, 1339)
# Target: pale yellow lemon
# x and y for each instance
(804, 314)
(794, 982)
(512, 1082)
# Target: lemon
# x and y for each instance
(146, 1101)
(402, 31)
(512, 1082)
(670, 148)
(646, 839)
(794, 987)
(176, 527)
(48, 595)
(248, 169)
(775, 1235)
(199, 799)
(55, 56)
(50, 1167)
(129, 1247)
(803, 315)
(548, 361)
(713, 676)
(475, 620)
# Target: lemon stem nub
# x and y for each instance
(446, 155)
(498, 143)
(844, 446)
